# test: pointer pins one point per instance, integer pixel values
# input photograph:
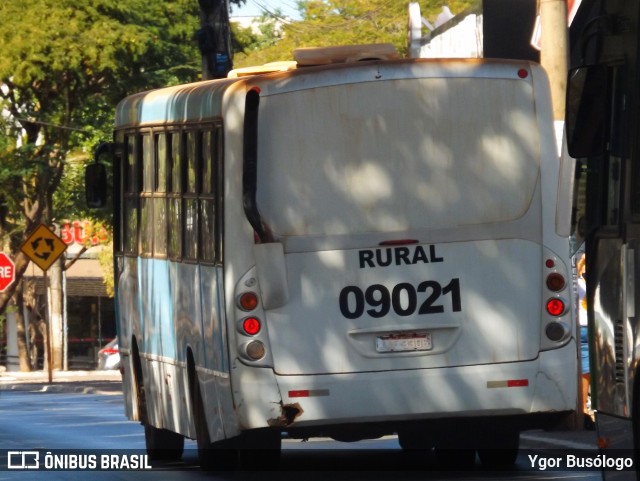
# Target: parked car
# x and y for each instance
(109, 356)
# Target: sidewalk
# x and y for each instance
(89, 382)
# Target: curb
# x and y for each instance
(81, 382)
(104, 387)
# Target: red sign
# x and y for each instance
(83, 232)
(7, 271)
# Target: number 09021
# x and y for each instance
(377, 301)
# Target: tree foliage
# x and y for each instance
(266, 33)
(64, 66)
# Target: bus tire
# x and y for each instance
(459, 458)
(218, 456)
(500, 451)
(454, 450)
(162, 444)
(260, 449)
(414, 441)
(138, 383)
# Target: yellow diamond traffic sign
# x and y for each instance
(43, 247)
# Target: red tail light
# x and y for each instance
(555, 307)
(251, 325)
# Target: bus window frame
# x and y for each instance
(118, 190)
(174, 194)
(134, 192)
(190, 201)
(131, 188)
(219, 181)
(159, 197)
(587, 88)
(208, 195)
(599, 151)
(147, 173)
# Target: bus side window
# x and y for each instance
(595, 136)
(146, 200)
(160, 197)
(130, 221)
(119, 160)
(219, 188)
(175, 196)
(190, 215)
(208, 212)
(586, 115)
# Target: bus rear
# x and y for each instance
(410, 272)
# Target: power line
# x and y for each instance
(49, 124)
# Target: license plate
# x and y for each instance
(404, 342)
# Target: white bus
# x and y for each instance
(348, 250)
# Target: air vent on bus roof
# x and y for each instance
(344, 53)
(260, 69)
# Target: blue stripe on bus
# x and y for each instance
(171, 318)
(155, 308)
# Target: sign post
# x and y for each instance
(43, 247)
(7, 271)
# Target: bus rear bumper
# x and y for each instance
(543, 385)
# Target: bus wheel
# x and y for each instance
(162, 444)
(500, 451)
(141, 401)
(260, 449)
(222, 455)
(413, 441)
(449, 457)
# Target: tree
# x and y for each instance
(64, 66)
(252, 39)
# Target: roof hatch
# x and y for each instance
(344, 54)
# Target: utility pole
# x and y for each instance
(554, 57)
(554, 51)
(214, 38)
(55, 315)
